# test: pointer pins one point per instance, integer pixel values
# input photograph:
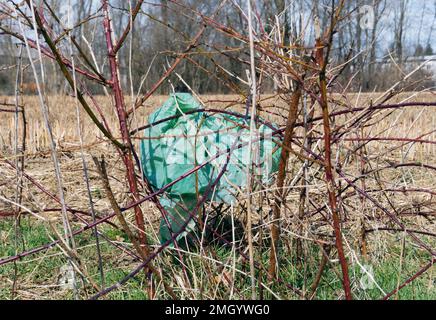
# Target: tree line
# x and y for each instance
(371, 49)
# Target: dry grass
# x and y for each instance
(410, 122)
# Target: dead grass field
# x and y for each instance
(410, 122)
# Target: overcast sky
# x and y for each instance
(415, 30)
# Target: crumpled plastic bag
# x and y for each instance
(171, 148)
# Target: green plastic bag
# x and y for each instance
(172, 148)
